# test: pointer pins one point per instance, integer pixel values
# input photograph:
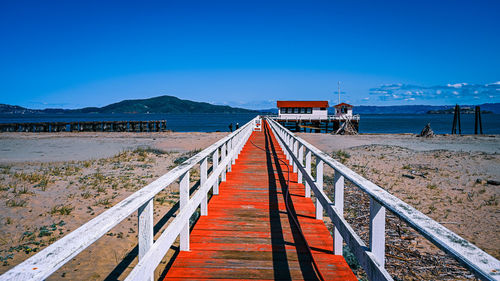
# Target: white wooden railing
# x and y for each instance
(47, 261)
(303, 117)
(371, 257)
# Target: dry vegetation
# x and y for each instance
(41, 202)
(450, 187)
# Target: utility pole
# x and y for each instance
(339, 91)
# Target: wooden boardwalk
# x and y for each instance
(249, 234)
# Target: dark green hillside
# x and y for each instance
(164, 104)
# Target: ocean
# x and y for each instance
(369, 123)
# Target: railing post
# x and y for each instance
(319, 185)
(145, 232)
(215, 160)
(301, 162)
(183, 202)
(229, 148)
(295, 153)
(233, 149)
(222, 156)
(203, 179)
(339, 205)
(377, 231)
(308, 171)
(237, 149)
(290, 145)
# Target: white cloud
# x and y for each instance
(457, 85)
(449, 93)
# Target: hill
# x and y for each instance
(161, 104)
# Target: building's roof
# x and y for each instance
(343, 104)
(283, 103)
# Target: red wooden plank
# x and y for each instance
(248, 233)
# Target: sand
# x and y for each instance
(53, 147)
(50, 184)
(450, 175)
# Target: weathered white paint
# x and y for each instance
(338, 182)
(222, 158)
(316, 114)
(377, 231)
(48, 260)
(310, 118)
(319, 186)
(308, 171)
(164, 242)
(215, 161)
(479, 262)
(203, 179)
(301, 162)
(183, 202)
(295, 147)
(145, 231)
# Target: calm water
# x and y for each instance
(370, 123)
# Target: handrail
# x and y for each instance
(371, 258)
(47, 261)
(293, 116)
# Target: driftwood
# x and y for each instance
(427, 131)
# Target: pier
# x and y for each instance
(261, 200)
(329, 124)
(86, 126)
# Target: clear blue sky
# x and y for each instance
(248, 53)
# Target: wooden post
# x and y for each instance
(301, 162)
(233, 148)
(454, 126)
(476, 119)
(203, 180)
(459, 126)
(215, 160)
(222, 156)
(308, 171)
(229, 148)
(183, 202)
(377, 231)
(339, 205)
(319, 185)
(480, 122)
(290, 145)
(145, 232)
(295, 153)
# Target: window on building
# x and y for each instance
(302, 110)
(323, 108)
(308, 110)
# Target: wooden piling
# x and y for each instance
(86, 126)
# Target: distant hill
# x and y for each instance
(161, 104)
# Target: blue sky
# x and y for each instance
(249, 53)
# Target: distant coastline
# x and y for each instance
(463, 110)
(174, 105)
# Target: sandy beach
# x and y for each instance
(51, 184)
(444, 177)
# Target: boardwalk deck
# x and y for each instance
(249, 234)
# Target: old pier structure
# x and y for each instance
(87, 126)
(312, 116)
